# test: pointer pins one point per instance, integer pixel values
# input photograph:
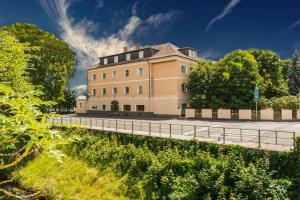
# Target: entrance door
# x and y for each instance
(114, 107)
(183, 107)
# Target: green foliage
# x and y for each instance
(270, 68)
(159, 168)
(278, 103)
(294, 74)
(69, 179)
(52, 61)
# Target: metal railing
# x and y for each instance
(267, 139)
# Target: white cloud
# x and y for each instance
(210, 53)
(293, 25)
(159, 18)
(100, 4)
(228, 8)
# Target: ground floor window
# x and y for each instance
(140, 108)
(80, 105)
(126, 107)
(94, 107)
(103, 107)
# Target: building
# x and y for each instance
(143, 81)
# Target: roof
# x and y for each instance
(81, 97)
(167, 49)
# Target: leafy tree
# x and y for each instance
(23, 126)
(200, 83)
(285, 65)
(52, 61)
(69, 101)
(294, 74)
(270, 68)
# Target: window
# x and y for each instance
(114, 75)
(94, 92)
(103, 91)
(126, 90)
(192, 53)
(80, 105)
(184, 88)
(115, 90)
(128, 56)
(183, 69)
(94, 107)
(103, 107)
(141, 54)
(103, 76)
(116, 59)
(105, 61)
(126, 73)
(140, 71)
(94, 76)
(126, 107)
(140, 108)
(140, 89)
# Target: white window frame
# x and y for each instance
(126, 105)
(116, 59)
(138, 89)
(94, 77)
(103, 108)
(125, 72)
(115, 75)
(185, 69)
(137, 109)
(103, 89)
(138, 71)
(94, 92)
(184, 88)
(94, 107)
(80, 105)
(103, 76)
(104, 61)
(113, 90)
(125, 92)
(141, 54)
(128, 56)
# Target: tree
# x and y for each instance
(69, 101)
(52, 61)
(23, 126)
(200, 83)
(270, 68)
(294, 74)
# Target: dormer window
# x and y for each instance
(141, 54)
(116, 58)
(192, 53)
(128, 56)
(105, 61)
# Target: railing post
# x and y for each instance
(259, 142)
(90, 122)
(208, 131)
(241, 134)
(102, 124)
(170, 127)
(195, 131)
(276, 136)
(294, 139)
(70, 120)
(181, 129)
(159, 129)
(61, 120)
(149, 128)
(116, 125)
(131, 126)
(224, 135)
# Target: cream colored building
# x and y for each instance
(146, 81)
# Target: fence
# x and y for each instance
(266, 139)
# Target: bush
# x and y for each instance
(159, 168)
(278, 103)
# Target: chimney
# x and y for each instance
(125, 49)
(137, 46)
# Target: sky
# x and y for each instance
(95, 28)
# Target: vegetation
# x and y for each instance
(229, 83)
(23, 126)
(69, 179)
(294, 74)
(155, 168)
(51, 63)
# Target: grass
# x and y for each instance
(69, 179)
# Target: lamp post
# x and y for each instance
(256, 98)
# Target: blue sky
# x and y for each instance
(94, 28)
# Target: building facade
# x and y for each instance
(146, 81)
